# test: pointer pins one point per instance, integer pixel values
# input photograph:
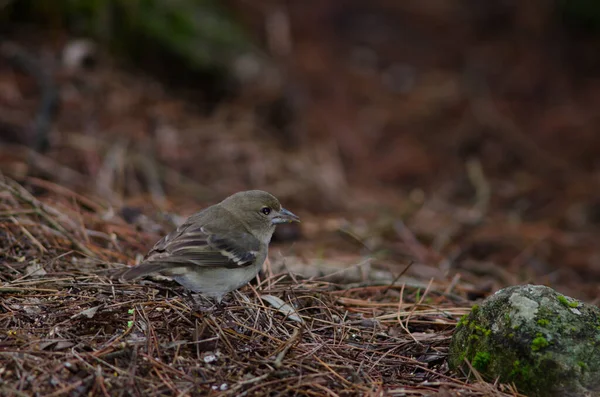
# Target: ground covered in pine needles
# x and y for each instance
(68, 329)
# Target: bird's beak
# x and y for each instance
(285, 216)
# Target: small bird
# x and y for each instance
(220, 248)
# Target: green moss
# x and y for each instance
(475, 309)
(463, 322)
(542, 322)
(539, 343)
(481, 330)
(481, 360)
(565, 302)
(521, 371)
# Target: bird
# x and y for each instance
(219, 249)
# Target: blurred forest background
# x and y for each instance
(460, 135)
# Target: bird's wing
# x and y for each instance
(194, 245)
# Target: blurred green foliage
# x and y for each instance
(199, 32)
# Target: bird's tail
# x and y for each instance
(140, 270)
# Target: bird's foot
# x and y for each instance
(203, 304)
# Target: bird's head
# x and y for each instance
(259, 210)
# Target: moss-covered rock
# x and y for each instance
(530, 335)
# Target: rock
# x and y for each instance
(530, 335)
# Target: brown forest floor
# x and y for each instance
(378, 273)
(67, 329)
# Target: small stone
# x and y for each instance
(210, 358)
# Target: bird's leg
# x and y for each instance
(219, 305)
(203, 304)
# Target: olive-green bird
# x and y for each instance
(220, 248)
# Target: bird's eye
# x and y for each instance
(265, 210)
